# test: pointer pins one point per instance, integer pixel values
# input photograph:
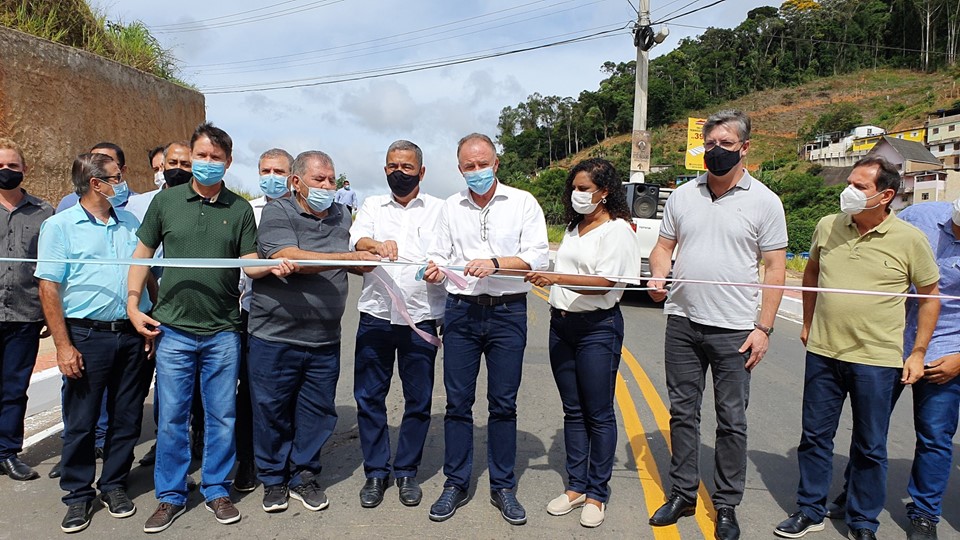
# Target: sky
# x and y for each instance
(247, 45)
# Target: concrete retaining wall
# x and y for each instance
(57, 102)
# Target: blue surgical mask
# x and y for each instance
(318, 199)
(120, 194)
(480, 181)
(273, 185)
(209, 173)
(347, 187)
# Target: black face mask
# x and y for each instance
(10, 179)
(402, 184)
(176, 176)
(720, 161)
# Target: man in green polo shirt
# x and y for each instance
(196, 324)
(855, 343)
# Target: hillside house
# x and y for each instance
(943, 137)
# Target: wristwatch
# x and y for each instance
(765, 329)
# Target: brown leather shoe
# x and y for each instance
(163, 517)
(224, 510)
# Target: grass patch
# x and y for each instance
(797, 264)
(75, 24)
(555, 233)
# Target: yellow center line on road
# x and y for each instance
(653, 494)
(643, 457)
(662, 418)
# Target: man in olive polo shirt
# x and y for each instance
(855, 343)
(196, 324)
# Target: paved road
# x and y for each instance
(33, 509)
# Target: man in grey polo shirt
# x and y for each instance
(294, 333)
(721, 226)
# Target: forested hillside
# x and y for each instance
(802, 41)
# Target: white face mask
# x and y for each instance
(582, 202)
(853, 201)
(158, 179)
(956, 212)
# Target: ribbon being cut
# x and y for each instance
(451, 272)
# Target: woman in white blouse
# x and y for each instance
(586, 330)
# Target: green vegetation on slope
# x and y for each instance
(76, 24)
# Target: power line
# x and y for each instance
(333, 57)
(200, 26)
(681, 8)
(409, 65)
(192, 23)
(692, 11)
(384, 72)
(381, 39)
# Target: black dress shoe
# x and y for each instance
(56, 471)
(863, 534)
(372, 493)
(18, 470)
(922, 528)
(797, 525)
(727, 526)
(675, 508)
(410, 492)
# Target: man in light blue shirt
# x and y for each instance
(347, 196)
(936, 397)
(98, 350)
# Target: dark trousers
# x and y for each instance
(585, 356)
(19, 343)
(499, 333)
(293, 390)
(827, 383)
(115, 363)
(244, 426)
(378, 343)
(690, 349)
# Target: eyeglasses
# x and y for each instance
(108, 179)
(726, 145)
(483, 223)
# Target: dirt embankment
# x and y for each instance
(57, 102)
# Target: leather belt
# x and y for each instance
(487, 300)
(594, 313)
(122, 325)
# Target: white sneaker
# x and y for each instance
(563, 505)
(591, 516)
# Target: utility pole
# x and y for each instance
(640, 140)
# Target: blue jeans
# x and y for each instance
(827, 383)
(690, 350)
(378, 343)
(585, 356)
(114, 364)
(293, 390)
(500, 334)
(181, 357)
(935, 414)
(19, 343)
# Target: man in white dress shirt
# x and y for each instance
(396, 226)
(486, 228)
